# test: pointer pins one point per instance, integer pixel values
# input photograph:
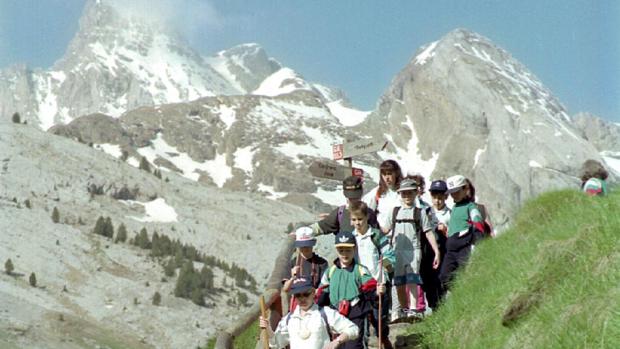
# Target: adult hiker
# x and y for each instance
(309, 326)
(339, 219)
(383, 198)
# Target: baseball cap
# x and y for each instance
(346, 239)
(300, 285)
(352, 187)
(455, 183)
(438, 186)
(407, 184)
(304, 237)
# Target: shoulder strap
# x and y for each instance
(340, 215)
(288, 318)
(327, 327)
(331, 271)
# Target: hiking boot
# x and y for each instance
(415, 315)
(399, 316)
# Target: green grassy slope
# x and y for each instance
(551, 281)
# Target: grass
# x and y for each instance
(247, 339)
(551, 281)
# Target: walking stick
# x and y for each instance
(380, 297)
(263, 313)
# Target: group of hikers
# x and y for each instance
(396, 258)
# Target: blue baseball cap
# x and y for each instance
(438, 186)
(345, 238)
(300, 285)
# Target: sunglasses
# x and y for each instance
(303, 295)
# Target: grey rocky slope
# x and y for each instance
(604, 135)
(103, 278)
(464, 105)
(245, 143)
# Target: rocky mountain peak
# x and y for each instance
(465, 105)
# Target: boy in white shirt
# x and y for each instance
(309, 326)
(375, 253)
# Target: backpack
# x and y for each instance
(487, 230)
(323, 316)
(416, 221)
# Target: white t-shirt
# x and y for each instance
(387, 202)
(312, 327)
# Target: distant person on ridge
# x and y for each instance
(593, 178)
(310, 326)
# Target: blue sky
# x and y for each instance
(359, 46)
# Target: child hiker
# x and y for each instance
(408, 224)
(306, 264)
(339, 220)
(441, 212)
(593, 178)
(375, 253)
(309, 326)
(349, 287)
(465, 224)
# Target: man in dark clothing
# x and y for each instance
(339, 220)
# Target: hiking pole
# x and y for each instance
(380, 315)
(263, 313)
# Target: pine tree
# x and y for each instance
(156, 299)
(197, 297)
(242, 298)
(55, 215)
(8, 266)
(143, 239)
(27, 203)
(169, 268)
(16, 118)
(33, 280)
(144, 165)
(108, 228)
(121, 234)
(206, 276)
(99, 226)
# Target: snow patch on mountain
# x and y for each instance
(273, 194)
(111, 149)
(479, 152)
(283, 81)
(217, 168)
(243, 159)
(612, 159)
(426, 54)
(156, 211)
(334, 198)
(410, 159)
(347, 116)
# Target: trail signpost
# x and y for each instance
(364, 146)
(345, 151)
(332, 170)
